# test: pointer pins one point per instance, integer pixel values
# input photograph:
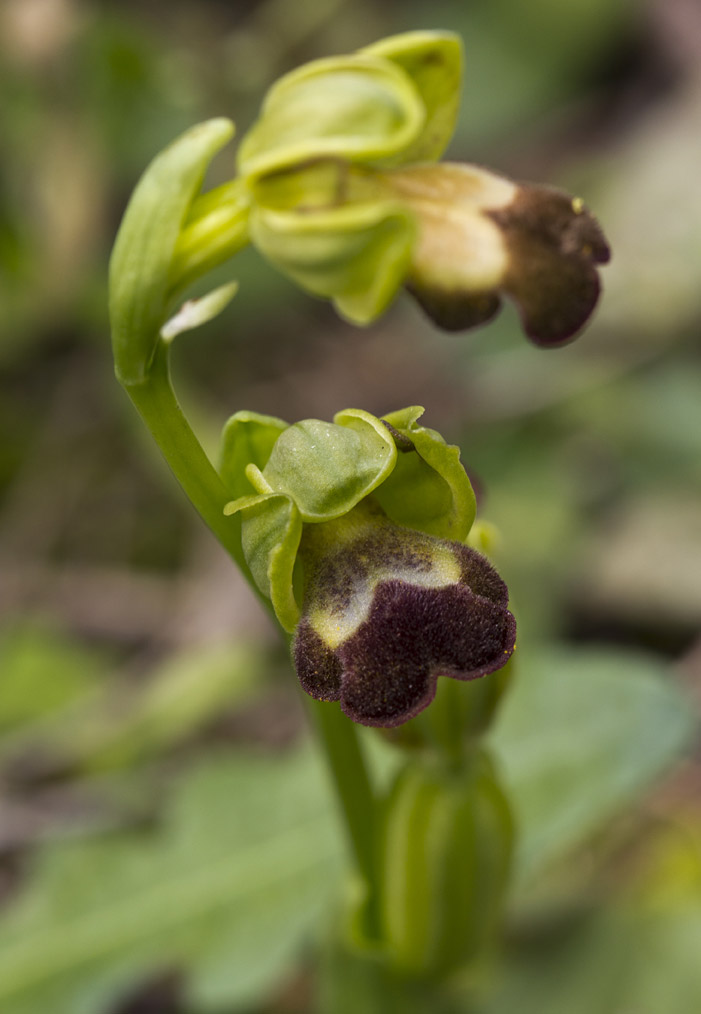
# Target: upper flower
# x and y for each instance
(339, 187)
(356, 533)
(347, 198)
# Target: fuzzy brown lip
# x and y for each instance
(553, 246)
(386, 671)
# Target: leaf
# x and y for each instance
(617, 960)
(639, 952)
(228, 887)
(187, 690)
(114, 725)
(580, 737)
(42, 670)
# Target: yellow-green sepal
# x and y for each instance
(140, 267)
(357, 255)
(429, 488)
(434, 62)
(271, 527)
(247, 438)
(327, 468)
(359, 108)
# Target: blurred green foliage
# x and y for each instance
(157, 812)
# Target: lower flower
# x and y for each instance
(388, 609)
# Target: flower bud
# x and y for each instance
(445, 857)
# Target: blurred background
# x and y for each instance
(167, 841)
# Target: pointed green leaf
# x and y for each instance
(227, 888)
(247, 438)
(141, 260)
(429, 488)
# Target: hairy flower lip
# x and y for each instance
(464, 238)
(482, 237)
(385, 672)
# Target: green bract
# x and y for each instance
(284, 477)
(167, 239)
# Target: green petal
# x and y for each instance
(357, 255)
(434, 62)
(327, 468)
(247, 438)
(429, 488)
(361, 108)
(271, 528)
(140, 267)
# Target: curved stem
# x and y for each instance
(355, 794)
(158, 406)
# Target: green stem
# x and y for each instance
(355, 794)
(158, 406)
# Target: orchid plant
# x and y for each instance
(359, 534)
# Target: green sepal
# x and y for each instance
(247, 438)
(271, 527)
(140, 267)
(434, 62)
(445, 856)
(360, 108)
(357, 255)
(429, 489)
(327, 468)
